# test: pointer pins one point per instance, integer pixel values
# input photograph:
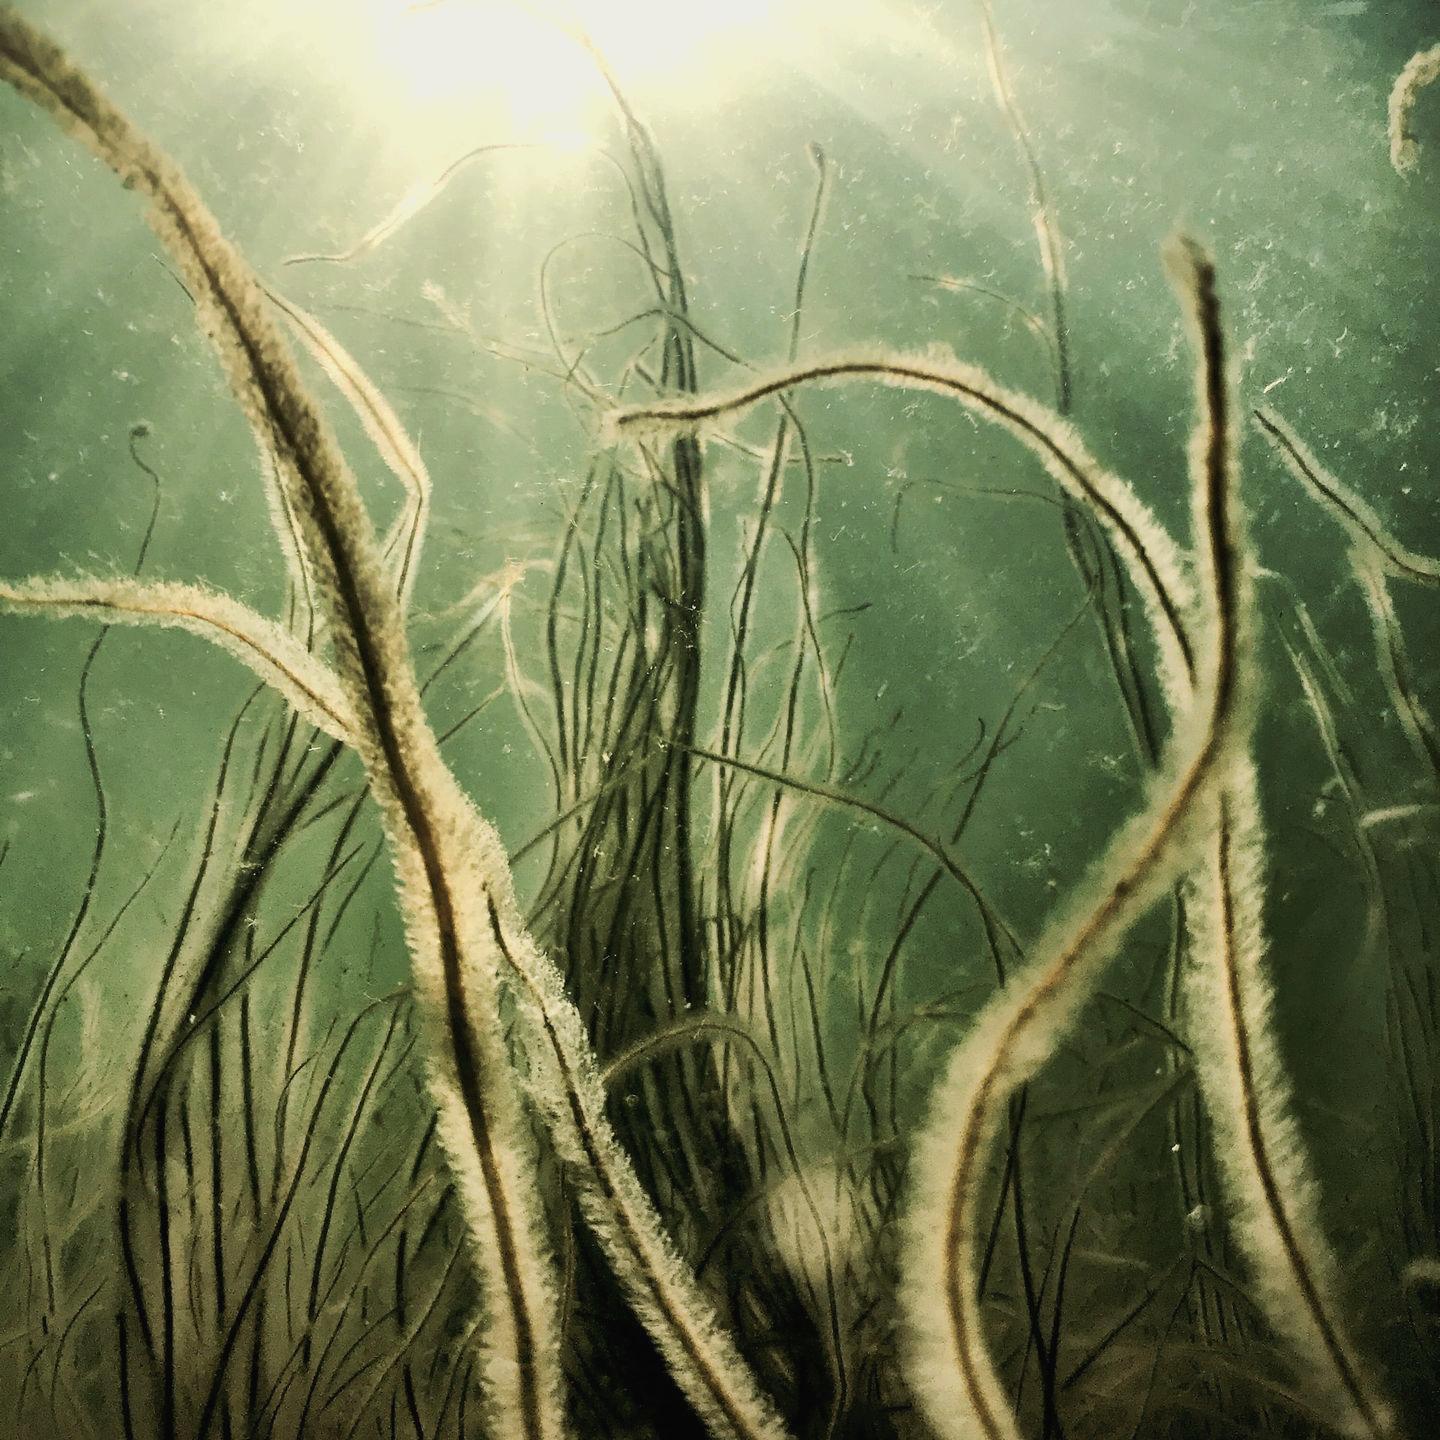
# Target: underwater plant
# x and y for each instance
(1422, 69)
(652, 1143)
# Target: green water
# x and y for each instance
(749, 716)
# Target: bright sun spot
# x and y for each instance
(518, 52)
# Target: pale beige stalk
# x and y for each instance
(260, 644)
(429, 823)
(1422, 69)
(452, 876)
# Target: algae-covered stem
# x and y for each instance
(1014, 1036)
(1160, 574)
(425, 815)
(1241, 1077)
(1019, 1028)
(1421, 70)
(452, 877)
(1042, 212)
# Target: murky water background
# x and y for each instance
(742, 888)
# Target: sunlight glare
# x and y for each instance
(518, 52)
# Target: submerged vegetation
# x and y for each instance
(660, 1132)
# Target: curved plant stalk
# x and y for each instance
(953, 1375)
(997, 929)
(1162, 579)
(960, 284)
(1396, 668)
(418, 198)
(1162, 576)
(259, 644)
(1422, 69)
(568, 1087)
(1367, 531)
(452, 877)
(1042, 211)
(1261, 1160)
(402, 546)
(43, 1010)
(644, 953)
(1376, 558)
(1364, 526)
(428, 821)
(1259, 1150)
(301, 594)
(1018, 1030)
